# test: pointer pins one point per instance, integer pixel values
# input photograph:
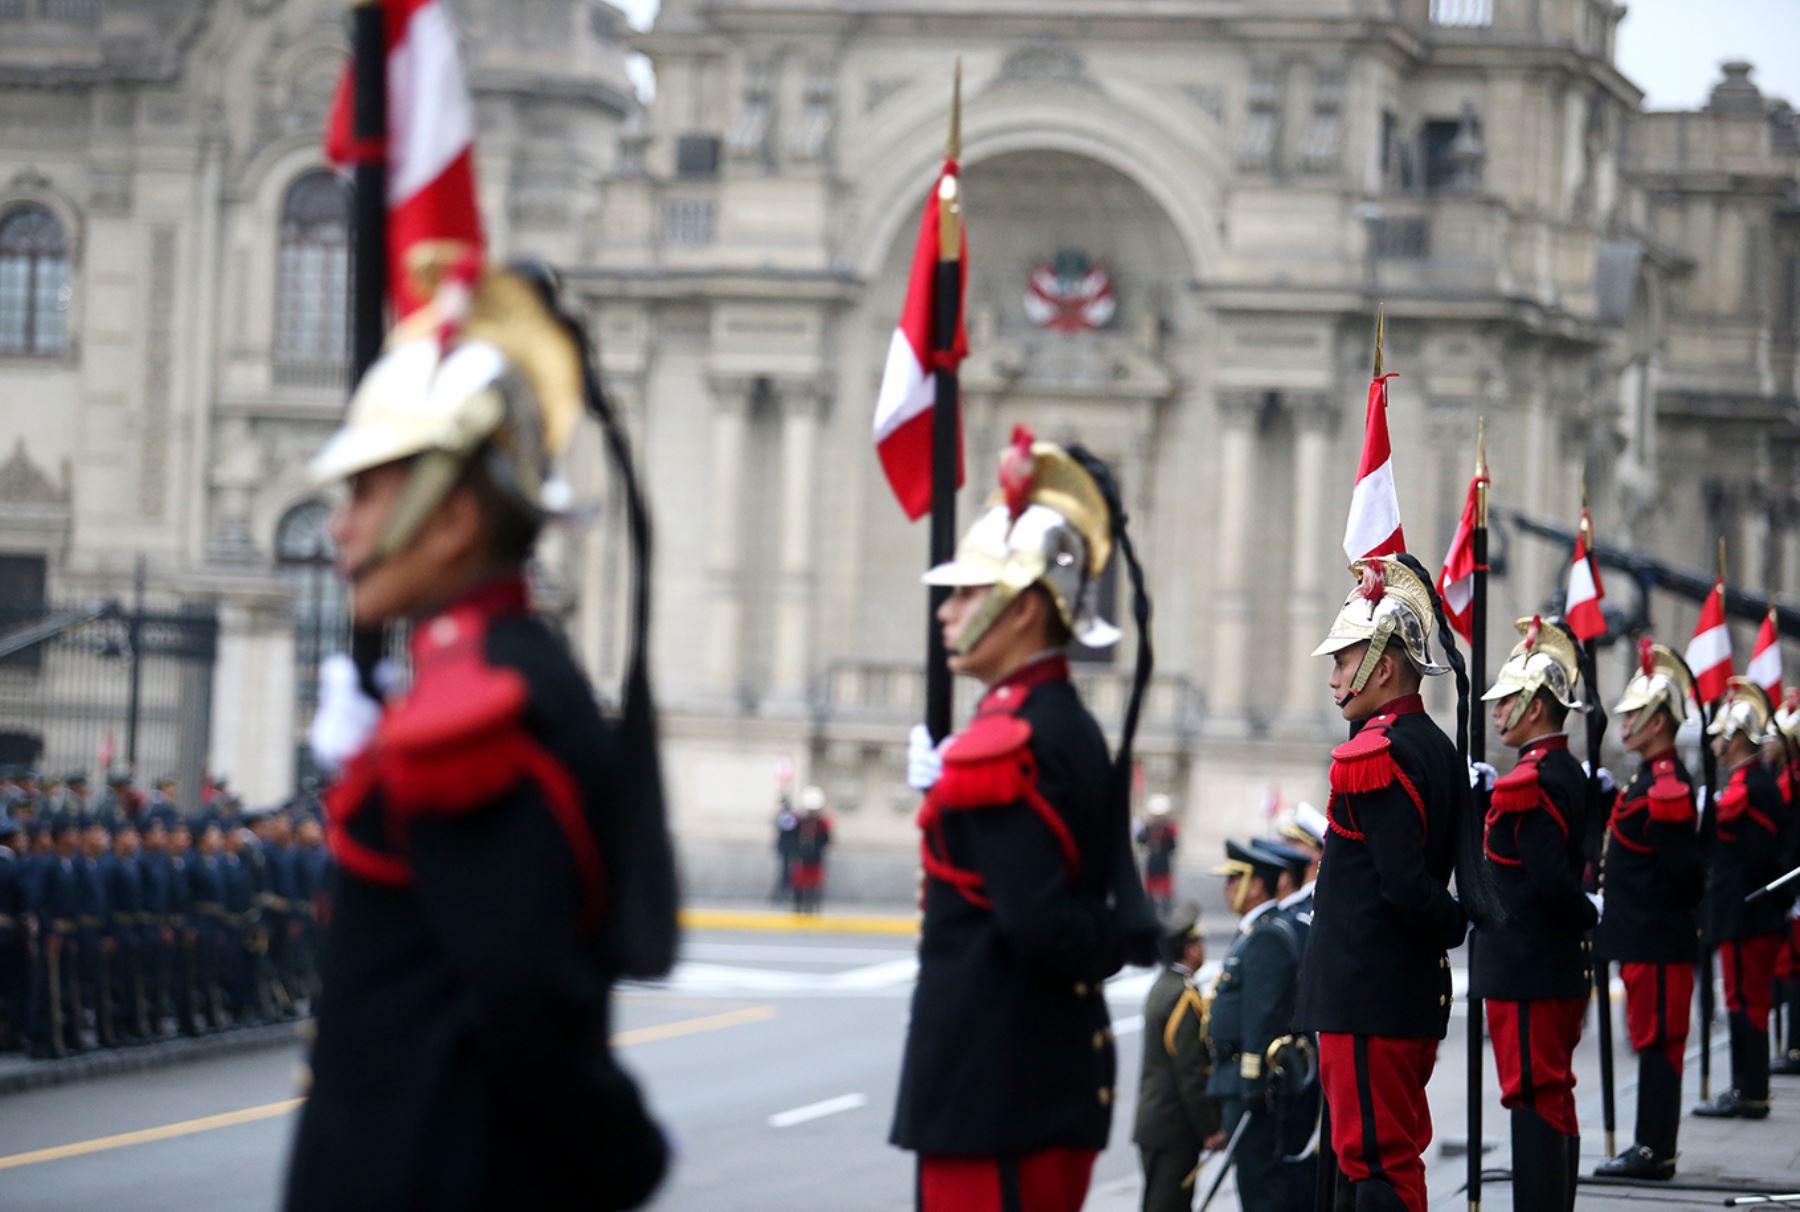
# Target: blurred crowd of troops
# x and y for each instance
(126, 917)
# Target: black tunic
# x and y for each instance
(1652, 873)
(1747, 853)
(1533, 844)
(1010, 1049)
(1375, 959)
(462, 1059)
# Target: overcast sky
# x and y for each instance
(1670, 48)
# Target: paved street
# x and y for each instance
(771, 1056)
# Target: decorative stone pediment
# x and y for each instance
(23, 482)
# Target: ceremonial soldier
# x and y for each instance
(1007, 1084)
(1532, 969)
(312, 868)
(124, 878)
(1748, 852)
(1652, 877)
(206, 914)
(1175, 1115)
(1375, 984)
(1306, 833)
(94, 924)
(242, 975)
(160, 947)
(190, 997)
(1786, 759)
(15, 962)
(1159, 836)
(54, 900)
(1297, 1095)
(1252, 1017)
(502, 852)
(812, 835)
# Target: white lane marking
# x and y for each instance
(751, 953)
(818, 1110)
(1128, 1026)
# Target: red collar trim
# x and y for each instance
(1667, 755)
(461, 625)
(1011, 690)
(1545, 744)
(1406, 704)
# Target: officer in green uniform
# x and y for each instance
(1175, 1115)
(1253, 1008)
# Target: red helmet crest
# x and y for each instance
(1016, 468)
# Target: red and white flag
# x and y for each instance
(1582, 606)
(906, 402)
(1709, 652)
(430, 146)
(1765, 659)
(1374, 525)
(1456, 583)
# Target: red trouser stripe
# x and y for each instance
(1380, 1121)
(1050, 1180)
(1534, 1047)
(1659, 998)
(1749, 967)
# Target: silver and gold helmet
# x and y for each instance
(1787, 717)
(1662, 682)
(485, 370)
(1544, 660)
(1390, 602)
(1745, 712)
(1048, 524)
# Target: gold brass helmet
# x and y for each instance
(1047, 524)
(1787, 717)
(1390, 600)
(1746, 711)
(1662, 682)
(485, 369)
(1544, 660)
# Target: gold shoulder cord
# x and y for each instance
(1189, 998)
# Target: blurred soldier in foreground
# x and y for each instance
(1376, 980)
(493, 836)
(1532, 970)
(1160, 836)
(1652, 876)
(1032, 898)
(1785, 757)
(1747, 853)
(1176, 1118)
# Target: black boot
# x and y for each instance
(1752, 1081)
(1659, 1107)
(1572, 1173)
(1637, 1162)
(1540, 1163)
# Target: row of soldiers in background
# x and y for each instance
(124, 934)
(28, 795)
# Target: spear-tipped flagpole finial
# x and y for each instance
(1380, 325)
(1481, 473)
(953, 148)
(949, 189)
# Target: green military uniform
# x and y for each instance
(1174, 1113)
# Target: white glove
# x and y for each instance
(1482, 776)
(1599, 904)
(924, 760)
(346, 717)
(1606, 778)
(1702, 800)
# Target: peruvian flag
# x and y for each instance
(1765, 660)
(1582, 608)
(1456, 583)
(1709, 652)
(905, 405)
(1374, 525)
(430, 137)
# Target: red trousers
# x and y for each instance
(807, 877)
(1160, 886)
(1050, 1180)
(1659, 998)
(1534, 1049)
(1380, 1121)
(1749, 968)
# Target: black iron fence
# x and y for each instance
(104, 685)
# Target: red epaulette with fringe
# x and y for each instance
(1671, 800)
(1362, 765)
(1518, 790)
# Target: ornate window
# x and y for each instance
(34, 282)
(312, 283)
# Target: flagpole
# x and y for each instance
(946, 418)
(368, 279)
(1477, 753)
(1594, 845)
(1709, 771)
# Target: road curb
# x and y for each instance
(776, 921)
(39, 1075)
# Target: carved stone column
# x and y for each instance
(1316, 418)
(724, 533)
(1231, 657)
(801, 406)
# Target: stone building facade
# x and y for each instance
(1182, 218)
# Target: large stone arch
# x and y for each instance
(1182, 169)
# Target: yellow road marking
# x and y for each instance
(800, 923)
(693, 1026)
(186, 1127)
(250, 1115)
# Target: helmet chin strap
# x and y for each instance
(1384, 628)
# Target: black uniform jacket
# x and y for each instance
(1010, 1049)
(1253, 1002)
(1747, 853)
(1652, 874)
(1173, 1110)
(462, 1058)
(1533, 843)
(1383, 916)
